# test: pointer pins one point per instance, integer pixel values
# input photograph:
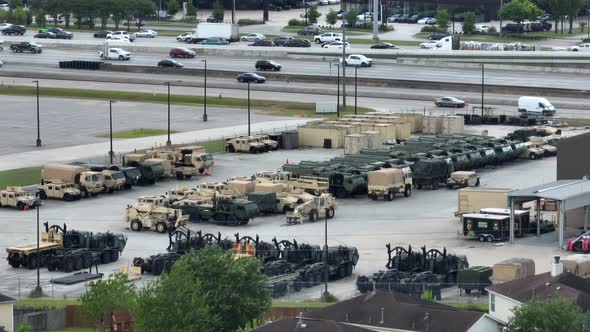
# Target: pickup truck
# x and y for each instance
(115, 54)
(26, 46)
(328, 37)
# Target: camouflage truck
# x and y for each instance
(150, 171)
(319, 207)
(18, 197)
(245, 144)
(223, 212)
(87, 182)
(386, 183)
(430, 173)
(153, 212)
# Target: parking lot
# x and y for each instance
(426, 218)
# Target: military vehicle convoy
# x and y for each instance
(18, 197)
(67, 250)
(154, 213)
(76, 176)
(251, 144)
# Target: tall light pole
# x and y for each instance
(111, 153)
(343, 59)
(502, 5)
(205, 94)
(38, 291)
(168, 142)
(355, 87)
(248, 108)
(338, 92)
(482, 87)
(305, 5)
(233, 14)
(326, 271)
(38, 142)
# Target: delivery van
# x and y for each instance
(535, 106)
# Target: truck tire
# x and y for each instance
(68, 198)
(114, 256)
(42, 195)
(477, 183)
(14, 261)
(77, 263)
(136, 225)
(188, 176)
(20, 205)
(68, 264)
(51, 266)
(230, 148)
(481, 238)
(179, 176)
(467, 291)
(253, 150)
(408, 191)
(161, 227)
(349, 268)
(83, 193)
(331, 213)
(87, 260)
(232, 219)
(390, 196)
(490, 238)
(313, 216)
(219, 217)
(532, 156)
(450, 186)
(341, 271)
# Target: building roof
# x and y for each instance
(562, 190)
(543, 287)
(6, 298)
(308, 325)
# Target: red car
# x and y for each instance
(182, 52)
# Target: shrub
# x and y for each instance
(247, 21)
(429, 28)
(296, 23)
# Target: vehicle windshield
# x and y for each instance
(133, 173)
(207, 157)
(117, 176)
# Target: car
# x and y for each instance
(580, 48)
(185, 37)
(449, 102)
(427, 20)
(358, 60)
(102, 34)
(119, 39)
(482, 28)
(267, 65)
(252, 37)
(51, 20)
(61, 33)
(328, 37)
(4, 26)
(429, 44)
(414, 18)
(26, 46)
(268, 43)
(214, 41)
(333, 2)
(438, 35)
(298, 43)
(170, 63)
(382, 46)
(211, 19)
(115, 54)
(324, 2)
(403, 18)
(339, 15)
(1, 64)
(336, 45)
(310, 30)
(392, 18)
(14, 30)
(251, 78)
(45, 35)
(182, 52)
(124, 34)
(146, 34)
(282, 40)
(366, 16)
(43, 29)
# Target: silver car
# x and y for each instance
(449, 102)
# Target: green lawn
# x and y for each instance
(20, 177)
(136, 133)
(45, 303)
(73, 29)
(575, 122)
(213, 146)
(481, 307)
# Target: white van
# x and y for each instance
(535, 106)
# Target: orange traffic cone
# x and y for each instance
(287, 163)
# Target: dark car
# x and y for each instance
(383, 46)
(403, 18)
(298, 43)
(102, 34)
(15, 30)
(61, 33)
(211, 19)
(251, 77)
(264, 42)
(267, 65)
(182, 52)
(45, 35)
(26, 46)
(170, 63)
(281, 41)
(414, 18)
(309, 31)
(438, 35)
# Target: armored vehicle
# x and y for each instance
(88, 182)
(132, 176)
(463, 179)
(387, 182)
(150, 171)
(269, 144)
(531, 151)
(319, 207)
(66, 191)
(155, 214)
(245, 144)
(223, 212)
(18, 197)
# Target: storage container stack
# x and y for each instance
(513, 269)
(353, 143)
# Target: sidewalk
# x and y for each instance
(82, 152)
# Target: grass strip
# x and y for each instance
(136, 133)
(20, 177)
(480, 307)
(40, 303)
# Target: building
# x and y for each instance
(571, 163)
(7, 313)
(386, 311)
(503, 298)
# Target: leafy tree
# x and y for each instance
(24, 327)
(143, 9)
(520, 10)
(14, 4)
(572, 9)
(53, 8)
(36, 6)
(191, 10)
(172, 7)
(3, 16)
(119, 12)
(207, 290)
(427, 296)
(313, 14)
(40, 19)
(218, 11)
(106, 295)
(20, 16)
(469, 23)
(556, 315)
(331, 17)
(553, 7)
(104, 11)
(443, 19)
(350, 17)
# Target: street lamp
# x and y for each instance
(111, 153)
(355, 88)
(168, 142)
(248, 108)
(325, 258)
(38, 142)
(343, 59)
(482, 87)
(338, 92)
(305, 5)
(38, 291)
(205, 94)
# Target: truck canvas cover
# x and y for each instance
(65, 173)
(386, 176)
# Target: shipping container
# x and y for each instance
(290, 140)
(327, 137)
(387, 130)
(403, 130)
(453, 124)
(374, 140)
(241, 187)
(472, 200)
(354, 143)
(513, 269)
(578, 264)
(432, 124)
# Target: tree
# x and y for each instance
(442, 19)
(119, 12)
(520, 10)
(469, 23)
(3, 16)
(556, 315)
(553, 7)
(53, 8)
(313, 14)
(191, 10)
(207, 290)
(143, 9)
(218, 11)
(331, 17)
(350, 17)
(572, 9)
(104, 11)
(106, 295)
(20, 16)
(172, 7)
(14, 4)
(40, 19)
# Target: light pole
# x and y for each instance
(38, 142)
(326, 273)
(111, 153)
(205, 94)
(233, 15)
(343, 66)
(38, 291)
(482, 87)
(168, 142)
(355, 88)
(502, 5)
(338, 92)
(248, 108)
(305, 5)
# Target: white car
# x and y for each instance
(482, 28)
(358, 60)
(115, 54)
(185, 37)
(324, 2)
(122, 34)
(429, 44)
(119, 39)
(334, 2)
(366, 16)
(146, 34)
(580, 48)
(336, 44)
(5, 7)
(427, 20)
(253, 37)
(4, 26)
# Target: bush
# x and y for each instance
(492, 30)
(296, 23)
(429, 28)
(247, 21)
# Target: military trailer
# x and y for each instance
(245, 144)
(18, 197)
(154, 213)
(323, 206)
(486, 227)
(88, 182)
(474, 278)
(386, 183)
(463, 179)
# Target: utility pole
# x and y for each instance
(376, 20)
(482, 87)
(326, 271)
(343, 58)
(205, 94)
(502, 5)
(38, 142)
(37, 291)
(168, 142)
(111, 153)
(248, 108)
(338, 92)
(355, 88)
(233, 13)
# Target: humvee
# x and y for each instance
(66, 191)
(18, 197)
(244, 144)
(268, 143)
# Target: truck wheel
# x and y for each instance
(331, 213)
(408, 191)
(390, 196)
(161, 227)
(14, 261)
(483, 291)
(20, 205)
(233, 220)
(68, 265)
(219, 217)
(532, 156)
(114, 256)
(481, 238)
(188, 176)
(349, 268)
(230, 148)
(477, 182)
(77, 263)
(51, 266)
(313, 215)
(83, 193)
(105, 257)
(68, 198)
(253, 150)
(434, 185)
(87, 260)
(136, 225)
(490, 238)
(449, 186)
(42, 195)
(341, 271)
(179, 176)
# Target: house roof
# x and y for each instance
(574, 193)
(543, 287)
(6, 298)
(308, 325)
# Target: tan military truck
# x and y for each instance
(268, 143)
(113, 180)
(59, 190)
(275, 176)
(313, 210)
(89, 183)
(463, 179)
(18, 197)
(385, 183)
(543, 144)
(179, 193)
(531, 152)
(151, 212)
(197, 156)
(245, 144)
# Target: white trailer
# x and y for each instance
(228, 31)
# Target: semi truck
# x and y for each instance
(88, 182)
(386, 183)
(230, 32)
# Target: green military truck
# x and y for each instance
(150, 171)
(474, 278)
(222, 211)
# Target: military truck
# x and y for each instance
(463, 179)
(88, 182)
(474, 278)
(314, 185)
(430, 173)
(132, 176)
(387, 182)
(531, 152)
(245, 144)
(114, 178)
(59, 190)
(319, 207)
(197, 156)
(543, 143)
(150, 171)
(183, 164)
(67, 250)
(153, 212)
(18, 197)
(223, 212)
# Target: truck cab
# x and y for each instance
(113, 180)
(91, 182)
